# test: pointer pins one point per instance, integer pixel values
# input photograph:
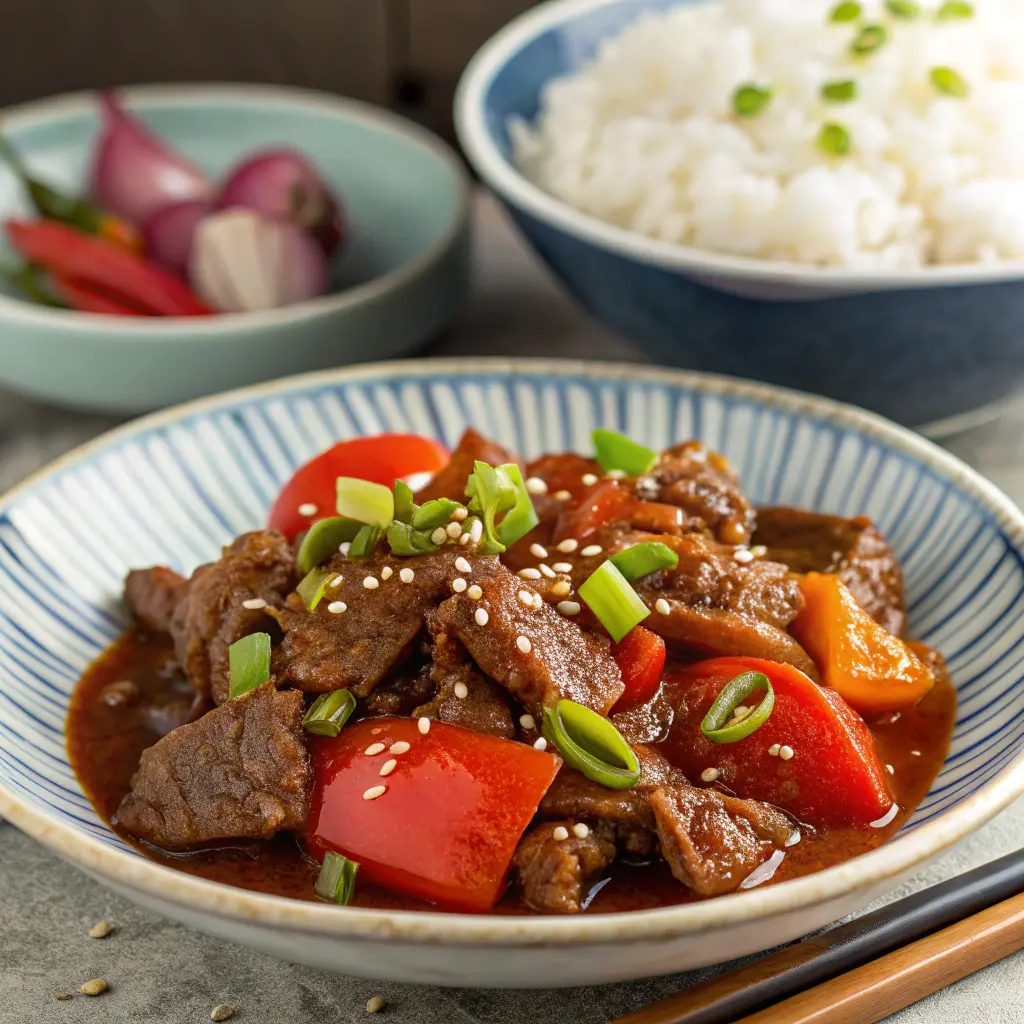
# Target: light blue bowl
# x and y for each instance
(174, 487)
(931, 348)
(398, 283)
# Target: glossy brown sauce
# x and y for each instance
(111, 723)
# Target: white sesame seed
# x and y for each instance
(387, 572)
(590, 550)
(406, 575)
(460, 514)
(560, 833)
(454, 530)
(568, 608)
(401, 747)
(759, 551)
(581, 830)
(481, 616)
(546, 570)
(388, 767)
(889, 768)
(308, 509)
(562, 567)
(463, 565)
(344, 546)
(423, 724)
(529, 574)
(647, 487)
(561, 588)
(538, 551)
(475, 592)
(589, 479)
(744, 555)
(538, 602)
(371, 583)
(476, 531)
(525, 597)
(785, 752)
(461, 691)
(774, 749)
(523, 643)
(528, 721)
(336, 582)
(375, 791)
(439, 536)
(374, 749)
(376, 732)
(459, 585)
(662, 607)
(916, 753)
(465, 539)
(561, 495)
(540, 743)
(740, 712)
(616, 474)
(710, 774)
(337, 607)
(535, 485)
(254, 604)
(568, 546)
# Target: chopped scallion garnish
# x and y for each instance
(834, 140)
(405, 504)
(405, 541)
(869, 39)
(323, 539)
(434, 513)
(365, 502)
(749, 100)
(640, 560)
(522, 517)
(616, 451)
(495, 491)
(248, 663)
(717, 726)
(591, 745)
(954, 9)
(365, 541)
(839, 92)
(949, 83)
(847, 11)
(329, 713)
(905, 9)
(337, 878)
(610, 597)
(313, 586)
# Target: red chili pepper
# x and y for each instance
(640, 655)
(63, 250)
(90, 300)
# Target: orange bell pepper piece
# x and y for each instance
(872, 670)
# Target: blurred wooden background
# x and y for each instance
(403, 53)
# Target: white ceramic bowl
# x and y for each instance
(173, 487)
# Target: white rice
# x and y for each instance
(646, 137)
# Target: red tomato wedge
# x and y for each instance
(452, 812)
(640, 655)
(834, 776)
(382, 459)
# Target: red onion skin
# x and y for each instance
(282, 183)
(133, 172)
(169, 233)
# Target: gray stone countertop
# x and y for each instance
(163, 972)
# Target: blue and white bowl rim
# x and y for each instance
(636, 388)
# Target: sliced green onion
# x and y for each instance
(434, 513)
(591, 745)
(905, 9)
(954, 9)
(405, 503)
(834, 140)
(642, 559)
(750, 100)
(404, 540)
(248, 663)
(839, 92)
(337, 878)
(329, 712)
(616, 451)
(522, 517)
(948, 82)
(313, 585)
(844, 12)
(732, 695)
(365, 541)
(610, 597)
(491, 492)
(323, 539)
(365, 502)
(869, 39)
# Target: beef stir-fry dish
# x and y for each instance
(465, 683)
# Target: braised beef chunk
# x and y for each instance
(212, 612)
(240, 771)
(151, 596)
(451, 481)
(402, 694)
(712, 842)
(851, 548)
(555, 874)
(562, 661)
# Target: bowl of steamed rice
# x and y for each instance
(822, 194)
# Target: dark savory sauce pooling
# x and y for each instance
(135, 693)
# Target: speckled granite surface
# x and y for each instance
(162, 972)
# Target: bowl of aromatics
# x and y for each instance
(826, 194)
(165, 243)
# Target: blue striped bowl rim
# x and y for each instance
(174, 486)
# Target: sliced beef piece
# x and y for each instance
(151, 595)
(211, 614)
(560, 473)
(563, 661)
(555, 874)
(451, 481)
(712, 842)
(240, 771)
(402, 694)
(851, 548)
(649, 722)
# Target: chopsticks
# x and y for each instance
(837, 965)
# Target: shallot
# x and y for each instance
(169, 233)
